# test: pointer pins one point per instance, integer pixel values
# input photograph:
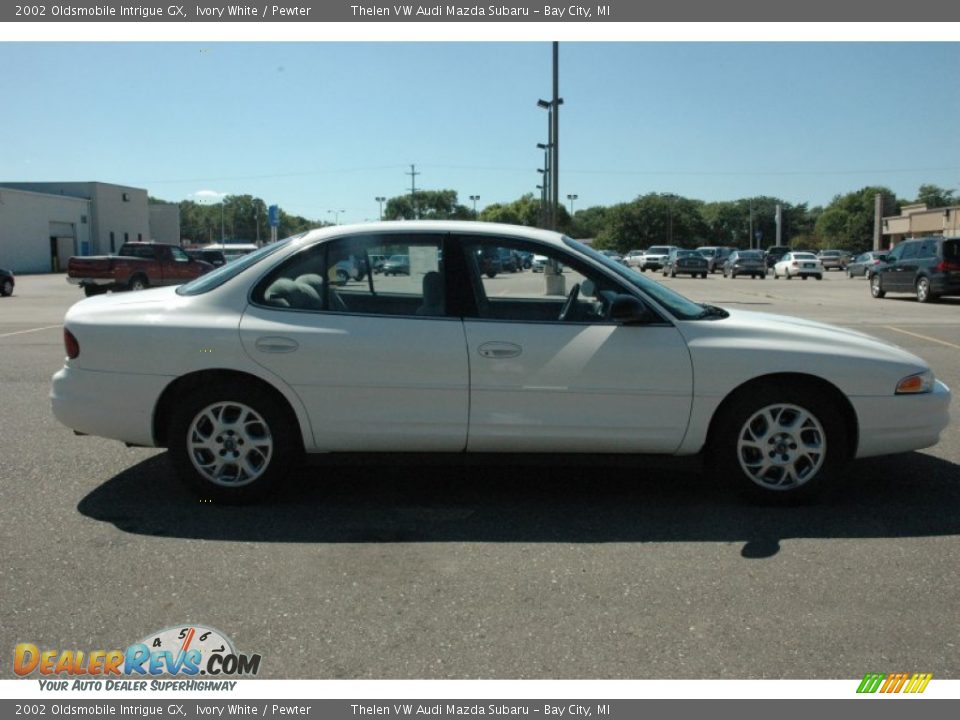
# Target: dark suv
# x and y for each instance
(927, 266)
(775, 253)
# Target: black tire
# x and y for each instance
(92, 290)
(491, 274)
(6, 290)
(819, 277)
(254, 423)
(876, 286)
(807, 451)
(923, 291)
(138, 282)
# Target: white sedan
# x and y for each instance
(798, 264)
(243, 369)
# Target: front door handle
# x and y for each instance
(276, 344)
(499, 350)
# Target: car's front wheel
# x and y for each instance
(232, 445)
(780, 443)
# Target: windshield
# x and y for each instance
(216, 278)
(658, 251)
(675, 303)
(750, 255)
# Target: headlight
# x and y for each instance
(913, 384)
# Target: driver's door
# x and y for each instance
(581, 384)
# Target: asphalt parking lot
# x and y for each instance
(509, 568)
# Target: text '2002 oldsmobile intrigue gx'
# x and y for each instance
(243, 369)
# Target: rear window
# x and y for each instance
(951, 250)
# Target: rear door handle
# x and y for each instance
(499, 350)
(276, 344)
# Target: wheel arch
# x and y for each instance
(202, 378)
(772, 382)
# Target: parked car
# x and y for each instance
(214, 257)
(613, 255)
(685, 262)
(136, 266)
(232, 250)
(798, 264)
(864, 263)
(928, 267)
(716, 256)
(376, 262)
(539, 263)
(833, 259)
(7, 282)
(745, 262)
(775, 253)
(397, 265)
(634, 258)
(655, 256)
(510, 260)
(239, 372)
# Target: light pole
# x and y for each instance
(336, 216)
(474, 198)
(571, 198)
(553, 120)
(221, 221)
(380, 199)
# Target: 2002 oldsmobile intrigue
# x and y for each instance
(243, 369)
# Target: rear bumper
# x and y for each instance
(111, 405)
(83, 282)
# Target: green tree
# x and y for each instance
(523, 211)
(935, 196)
(847, 222)
(653, 219)
(427, 205)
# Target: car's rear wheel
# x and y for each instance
(876, 286)
(923, 291)
(780, 443)
(138, 282)
(232, 445)
(7, 288)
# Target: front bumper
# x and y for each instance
(900, 423)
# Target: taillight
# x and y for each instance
(71, 344)
(947, 266)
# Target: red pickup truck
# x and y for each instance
(138, 265)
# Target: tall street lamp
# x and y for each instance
(474, 198)
(336, 216)
(380, 199)
(571, 198)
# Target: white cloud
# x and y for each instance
(208, 195)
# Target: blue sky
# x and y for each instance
(322, 126)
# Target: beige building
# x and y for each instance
(918, 221)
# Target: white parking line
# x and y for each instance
(922, 337)
(21, 332)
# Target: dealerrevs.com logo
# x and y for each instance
(183, 651)
(891, 683)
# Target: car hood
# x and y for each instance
(750, 344)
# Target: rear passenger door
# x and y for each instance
(378, 363)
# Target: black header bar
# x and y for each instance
(361, 11)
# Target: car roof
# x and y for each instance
(461, 227)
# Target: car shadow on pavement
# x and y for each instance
(572, 500)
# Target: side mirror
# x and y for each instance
(887, 259)
(628, 310)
